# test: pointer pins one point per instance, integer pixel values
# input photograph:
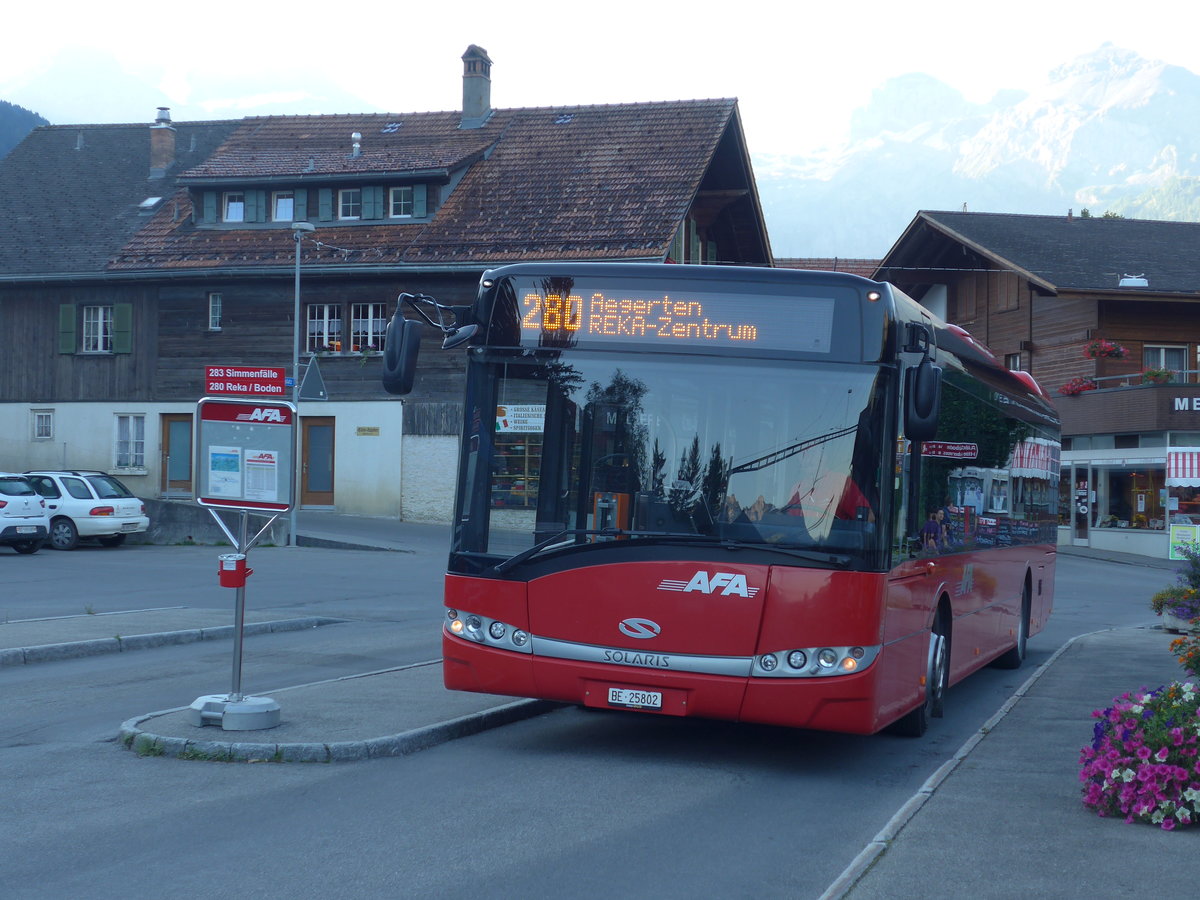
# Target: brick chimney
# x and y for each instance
(477, 88)
(162, 143)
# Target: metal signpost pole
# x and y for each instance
(298, 229)
(239, 616)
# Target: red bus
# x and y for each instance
(751, 494)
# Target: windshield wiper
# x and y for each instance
(553, 542)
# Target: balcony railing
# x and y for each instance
(1137, 379)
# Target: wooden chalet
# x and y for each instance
(136, 255)
(1105, 314)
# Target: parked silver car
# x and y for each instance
(85, 505)
(24, 524)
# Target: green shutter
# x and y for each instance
(209, 216)
(372, 202)
(256, 206)
(66, 328)
(325, 202)
(419, 201)
(300, 213)
(122, 338)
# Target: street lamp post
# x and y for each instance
(299, 229)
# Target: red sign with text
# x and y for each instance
(245, 381)
(948, 450)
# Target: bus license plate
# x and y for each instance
(633, 698)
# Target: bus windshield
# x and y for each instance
(581, 449)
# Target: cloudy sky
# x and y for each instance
(797, 70)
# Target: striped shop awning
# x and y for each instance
(1183, 467)
(1035, 458)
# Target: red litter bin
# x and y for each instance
(231, 567)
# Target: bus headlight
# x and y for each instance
(814, 662)
(489, 632)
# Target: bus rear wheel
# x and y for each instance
(1015, 655)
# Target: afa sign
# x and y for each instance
(245, 454)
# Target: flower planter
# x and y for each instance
(1176, 625)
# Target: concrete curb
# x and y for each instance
(879, 844)
(17, 656)
(145, 743)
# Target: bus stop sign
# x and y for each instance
(245, 454)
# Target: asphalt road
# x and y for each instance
(571, 804)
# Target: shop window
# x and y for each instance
(1132, 497)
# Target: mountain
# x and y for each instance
(15, 123)
(1110, 131)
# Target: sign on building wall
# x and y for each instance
(245, 381)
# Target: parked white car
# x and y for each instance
(88, 506)
(24, 525)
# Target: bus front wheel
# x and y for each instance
(915, 723)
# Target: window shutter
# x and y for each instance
(209, 215)
(256, 206)
(66, 328)
(122, 339)
(372, 202)
(325, 202)
(300, 212)
(420, 205)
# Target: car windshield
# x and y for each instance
(594, 447)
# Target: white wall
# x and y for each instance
(430, 470)
(367, 467)
(368, 470)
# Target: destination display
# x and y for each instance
(661, 320)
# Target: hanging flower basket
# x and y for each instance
(1077, 386)
(1104, 349)
(1156, 376)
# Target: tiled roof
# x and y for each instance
(70, 195)
(314, 146)
(1063, 252)
(584, 182)
(864, 267)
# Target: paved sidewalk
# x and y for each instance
(1004, 819)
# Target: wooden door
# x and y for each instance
(316, 454)
(176, 459)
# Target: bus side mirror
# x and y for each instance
(401, 344)
(922, 400)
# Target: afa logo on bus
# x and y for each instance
(724, 583)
